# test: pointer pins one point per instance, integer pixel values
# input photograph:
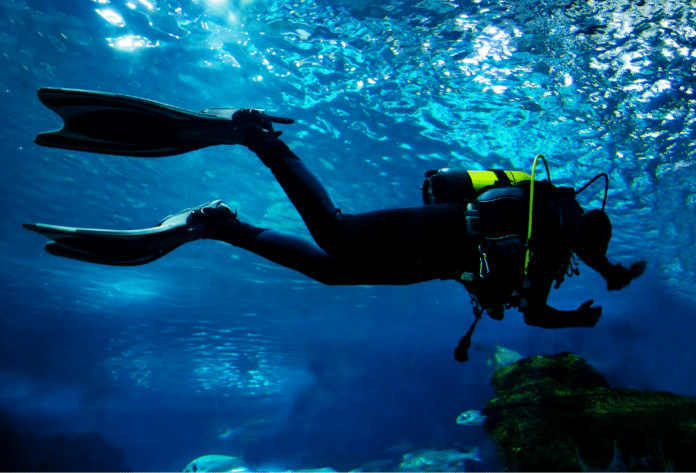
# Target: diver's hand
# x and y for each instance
(619, 276)
(588, 316)
(637, 269)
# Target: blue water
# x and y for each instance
(161, 359)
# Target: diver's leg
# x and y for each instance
(394, 231)
(400, 246)
(419, 242)
(311, 199)
(306, 257)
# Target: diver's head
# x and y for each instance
(595, 231)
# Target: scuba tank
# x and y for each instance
(462, 186)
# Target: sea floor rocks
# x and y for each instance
(557, 413)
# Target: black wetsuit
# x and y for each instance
(408, 245)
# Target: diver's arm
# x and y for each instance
(538, 313)
(617, 275)
(541, 315)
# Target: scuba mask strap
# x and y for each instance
(606, 187)
(531, 201)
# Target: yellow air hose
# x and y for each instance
(531, 200)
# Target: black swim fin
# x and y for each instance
(130, 247)
(116, 124)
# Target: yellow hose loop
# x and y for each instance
(531, 200)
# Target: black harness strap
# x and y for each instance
(503, 178)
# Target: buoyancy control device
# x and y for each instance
(496, 219)
(495, 215)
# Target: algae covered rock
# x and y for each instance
(557, 413)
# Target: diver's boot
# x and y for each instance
(198, 221)
(214, 221)
(223, 225)
(267, 146)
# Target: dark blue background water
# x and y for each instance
(162, 358)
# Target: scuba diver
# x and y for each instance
(505, 237)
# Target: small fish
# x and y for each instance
(500, 357)
(471, 417)
(219, 463)
(436, 460)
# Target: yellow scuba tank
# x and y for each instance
(462, 186)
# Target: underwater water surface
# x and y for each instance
(213, 350)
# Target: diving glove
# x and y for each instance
(619, 276)
(586, 315)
